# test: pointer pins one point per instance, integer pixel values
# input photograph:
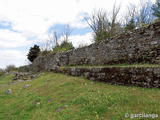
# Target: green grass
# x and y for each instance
(64, 97)
(116, 65)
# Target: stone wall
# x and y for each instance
(148, 77)
(50, 61)
(140, 45)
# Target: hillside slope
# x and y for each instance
(54, 96)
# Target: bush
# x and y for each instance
(1, 72)
(156, 9)
(10, 68)
(33, 53)
(25, 68)
(64, 46)
(45, 52)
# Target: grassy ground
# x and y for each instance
(59, 97)
(116, 65)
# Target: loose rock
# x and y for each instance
(9, 91)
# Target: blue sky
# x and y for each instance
(24, 23)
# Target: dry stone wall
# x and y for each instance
(148, 77)
(140, 45)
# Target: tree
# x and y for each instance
(65, 44)
(130, 17)
(51, 42)
(130, 25)
(1, 71)
(138, 15)
(144, 13)
(33, 53)
(156, 9)
(66, 32)
(102, 25)
(99, 23)
(10, 68)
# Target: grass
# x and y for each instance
(63, 97)
(116, 65)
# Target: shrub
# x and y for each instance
(156, 9)
(45, 52)
(10, 68)
(1, 72)
(64, 46)
(25, 68)
(33, 53)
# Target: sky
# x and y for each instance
(24, 23)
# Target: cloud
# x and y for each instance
(26, 22)
(10, 39)
(81, 39)
(12, 57)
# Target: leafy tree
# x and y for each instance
(33, 53)
(156, 9)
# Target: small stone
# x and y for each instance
(154, 42)
(156, 82)
(20, 80)
(62, 101)
(61, 108)
(24, 78)
(26, 86)
(66, 106)
(38, 103)
(50, 100)
(28, 80)
(33, 76)
(9, 91)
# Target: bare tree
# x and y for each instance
(66, 32)
(140, 14)
(10, 68)
(114, 15)
(98, 21)
(102, 25)
(144, 13)
(131, 13)
(51, 41)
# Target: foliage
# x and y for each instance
(33, 53)
(64, 46)
(138, 15)
(1, 72)
(10, 68)
(102, 26)
(25, 68)
(156, 9)
(45, 52)
(131, 25)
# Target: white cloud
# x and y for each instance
(81, 39)
(32, 19)
(12, 57)
(10, 39)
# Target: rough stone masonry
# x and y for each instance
(140, 45)
(148, 77)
